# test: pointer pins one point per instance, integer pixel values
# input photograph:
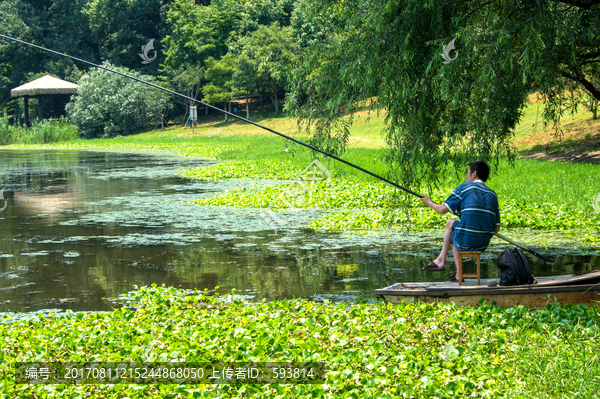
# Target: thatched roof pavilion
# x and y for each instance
(45, 86)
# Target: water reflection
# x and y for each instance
(82, 226)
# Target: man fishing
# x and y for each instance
(477, 207)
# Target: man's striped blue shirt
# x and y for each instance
(477, 207)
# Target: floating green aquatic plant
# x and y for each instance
(375, 206)
(181, 149)
(284, 170)
(368, 349)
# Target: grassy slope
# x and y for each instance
(531, 134)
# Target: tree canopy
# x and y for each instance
(56, 24)
(121, 27)
(219, 74)
(330, 57)
(390, 52)
(197, 33)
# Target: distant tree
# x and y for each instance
(592, 105)
(15, 60)
(574, 96)
(109, 105)
(310, 28)
(587, 98)
(197, 32)
(271, 50)
(187, 80)
(57, 24)
(200, 30)
(122, 27)
(219, 78)
(245, 79)
(265, 12)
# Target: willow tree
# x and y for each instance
(443, 106)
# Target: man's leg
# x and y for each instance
(440, 261)
(455, 255)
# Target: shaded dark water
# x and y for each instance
(82, 226)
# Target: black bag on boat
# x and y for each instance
(514, 268)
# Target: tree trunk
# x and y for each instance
(205, 110)
(225, 109)
(275, 101)
(184, 120)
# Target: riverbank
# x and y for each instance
(377, 350)
(533, 194)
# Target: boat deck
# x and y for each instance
(470, 283)
(565, 289)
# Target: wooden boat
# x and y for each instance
(567, 289)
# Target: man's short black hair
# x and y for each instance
(482, 169)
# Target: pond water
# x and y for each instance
(81, 226)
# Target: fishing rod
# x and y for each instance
(531, 251)
(218, 109)
(250, 122)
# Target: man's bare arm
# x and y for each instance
(439, 208)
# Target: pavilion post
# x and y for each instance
(40, 108)
(27, 111)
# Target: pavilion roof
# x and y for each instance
(45, 85)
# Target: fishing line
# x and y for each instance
(252, 123)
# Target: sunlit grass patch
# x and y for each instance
(531, 134)
(572, 186)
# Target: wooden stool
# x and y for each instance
(468, 254)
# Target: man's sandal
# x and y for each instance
(432, 267)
